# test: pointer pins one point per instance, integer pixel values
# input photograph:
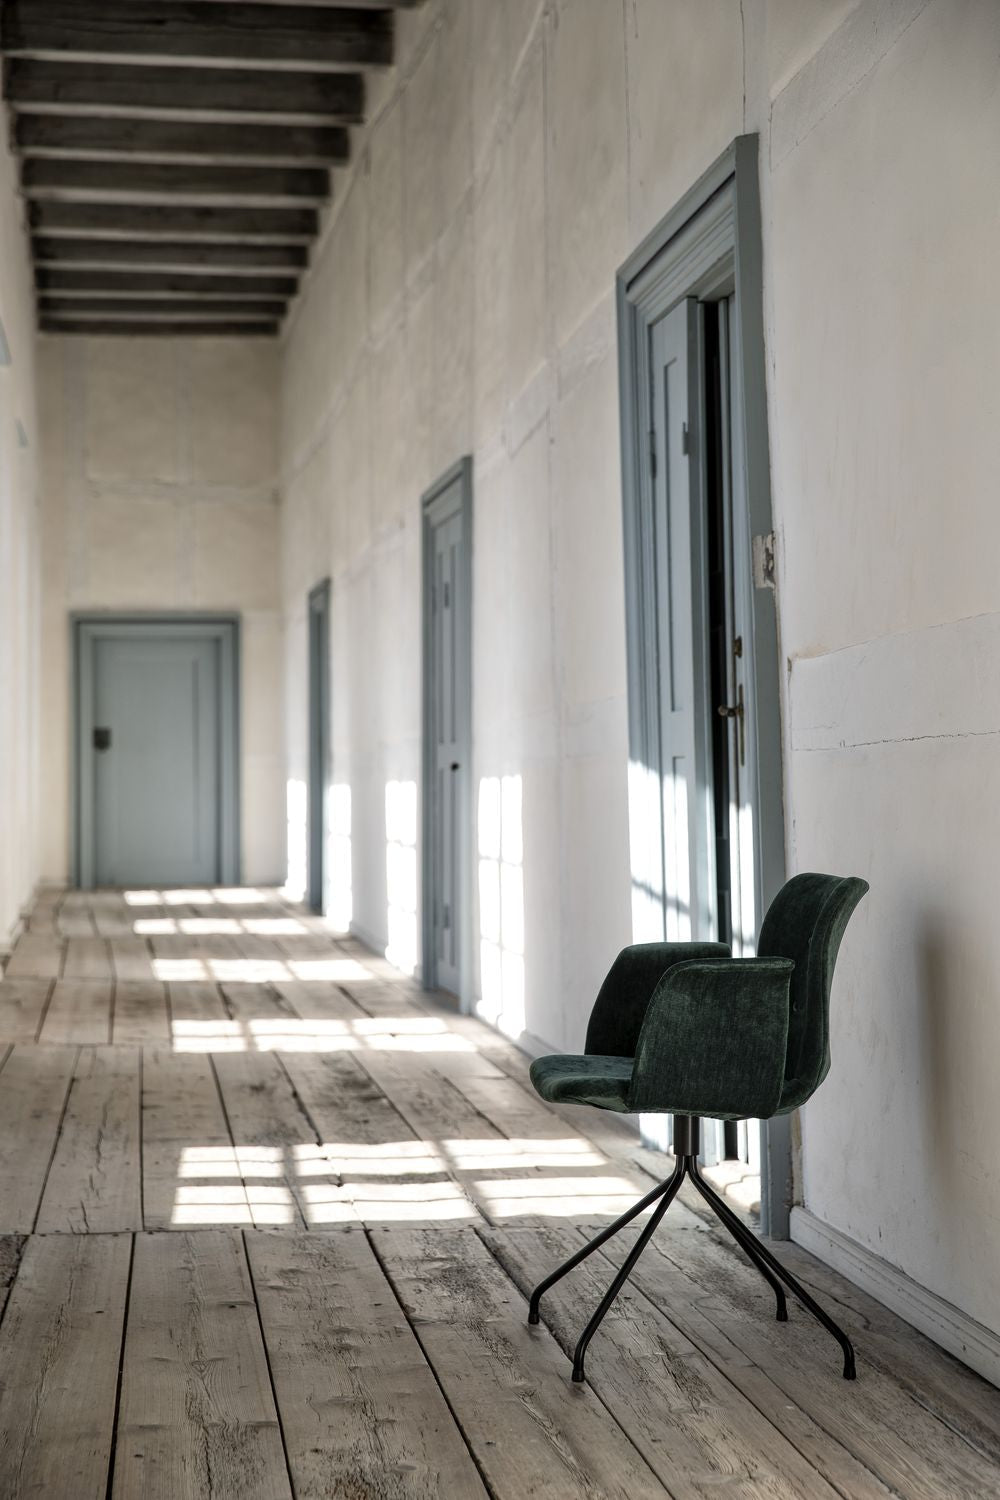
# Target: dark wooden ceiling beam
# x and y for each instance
(127, 327)
(175, 222)
(178, 307)
(136, 138)
(41, 176)
(153, 283)
(333, 98)
(168, 254)
(343, 37)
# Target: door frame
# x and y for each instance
(318, 616)
(710, 240)
(437, 505)
(87, 629)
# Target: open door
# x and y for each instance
(705, 781)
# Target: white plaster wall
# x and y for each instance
(159, 487)
(463, 302)
(19, 569)
(881, 244)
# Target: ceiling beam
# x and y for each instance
(151, 219)
(168, 254)
(137, 138)
(98, 327)
(41, 176)
(283, 34)
(178, 307)
(334, 98)
(58, 279)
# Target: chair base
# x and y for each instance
(778, 1277)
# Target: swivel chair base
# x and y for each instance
(687, 1134)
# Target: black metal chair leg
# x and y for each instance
(746, 1241)
(598, 1241)
(797, 1290)
(683, 1166)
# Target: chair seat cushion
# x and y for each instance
(568, 1079)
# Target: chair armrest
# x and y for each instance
(620, 1007)
(714, 1039)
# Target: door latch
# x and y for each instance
(102, 739)
(736, 711)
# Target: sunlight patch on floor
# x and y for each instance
(345, 1182)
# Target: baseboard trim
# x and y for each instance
(362, 934)
(973, 1343)
(8, 943)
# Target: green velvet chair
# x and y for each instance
(685, 1029)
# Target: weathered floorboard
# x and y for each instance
(93, 1184)
(950, 1390)
(79, 1011)
(59, 1350)
(695, 1426)
(34, 1084)
(37, 956)
(370, 1167)
(131, 959)
(508, 1384)
(140, 1012)
(889, 1433)
(197, 1416)
(271, 1132)
(22, 1008)
(190, 1174)
(356, 1395)
(87, 958)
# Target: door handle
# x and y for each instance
(455, 765)
(736, 711)
(102, 739)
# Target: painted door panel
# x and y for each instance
(156, 785)
(700, 579)
(684, 749)
(447, 612)
(319, 739)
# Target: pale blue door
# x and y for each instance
(156, 760)
(450, 711)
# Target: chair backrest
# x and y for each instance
(623, 999)
(805, 922)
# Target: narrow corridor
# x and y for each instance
(268, 1215)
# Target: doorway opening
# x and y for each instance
(704, 727)
(319, 740)
(157, 750)
(447, 748)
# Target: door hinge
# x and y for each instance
(447, 596)
(652, 451)
(736, 711)
(446, 919)
(685, 438)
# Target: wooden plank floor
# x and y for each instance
(268, 1216)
